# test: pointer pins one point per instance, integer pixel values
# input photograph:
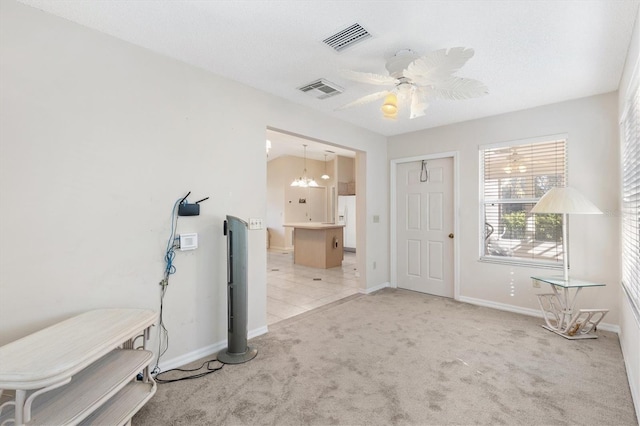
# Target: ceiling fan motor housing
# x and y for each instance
(400, 61)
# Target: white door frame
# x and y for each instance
(393, 174)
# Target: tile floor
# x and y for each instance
(294, 289)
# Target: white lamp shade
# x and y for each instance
(565, 200)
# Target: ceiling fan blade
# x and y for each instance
(456, 88)
(369, 78)
(418, 103)
(365, 99)
(437, 65)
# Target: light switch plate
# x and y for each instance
(255, 223)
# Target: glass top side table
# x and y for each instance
(559, 308)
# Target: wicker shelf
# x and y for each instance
(83, 369)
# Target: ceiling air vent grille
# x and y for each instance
(321, 89)
(347, 37)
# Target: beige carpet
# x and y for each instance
(399, 357)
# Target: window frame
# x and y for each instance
(508, 260)
(630, 261)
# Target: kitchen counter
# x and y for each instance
(316, 244)
(313, 225)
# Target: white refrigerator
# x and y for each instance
(347, 216)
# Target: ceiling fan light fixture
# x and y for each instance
(419, 79)
(390, 106)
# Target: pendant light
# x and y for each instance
(325, 176)
(304, 182)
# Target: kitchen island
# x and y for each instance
(318, 245)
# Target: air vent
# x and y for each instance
(321, 89)
(347, 37)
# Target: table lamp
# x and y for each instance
(565, 200)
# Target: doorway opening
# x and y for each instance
(294, 288)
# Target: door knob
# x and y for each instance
(450, 235)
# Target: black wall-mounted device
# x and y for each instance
(189, 209)
(186, 209)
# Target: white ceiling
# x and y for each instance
(289, 144)
(528, 52)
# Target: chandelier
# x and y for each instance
(304, 182)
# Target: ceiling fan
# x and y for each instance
(417, 79)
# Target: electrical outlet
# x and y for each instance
(536, 283)
(255, 223)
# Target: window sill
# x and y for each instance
(519, 262)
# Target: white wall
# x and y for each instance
(593, 170)
(629, 323)
(98, 139)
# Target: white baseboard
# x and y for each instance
(257, 332)
(525, 311)
(376, 288)
(192, 356)
(205, 352)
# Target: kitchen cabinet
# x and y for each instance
(318, 245)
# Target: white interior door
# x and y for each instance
(425, 226)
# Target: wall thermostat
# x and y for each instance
(188, 241)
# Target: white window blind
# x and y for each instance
(630, 132)
(514, 177)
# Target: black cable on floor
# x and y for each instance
(208, 370)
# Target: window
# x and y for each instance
(513, 178)
(630, 135)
